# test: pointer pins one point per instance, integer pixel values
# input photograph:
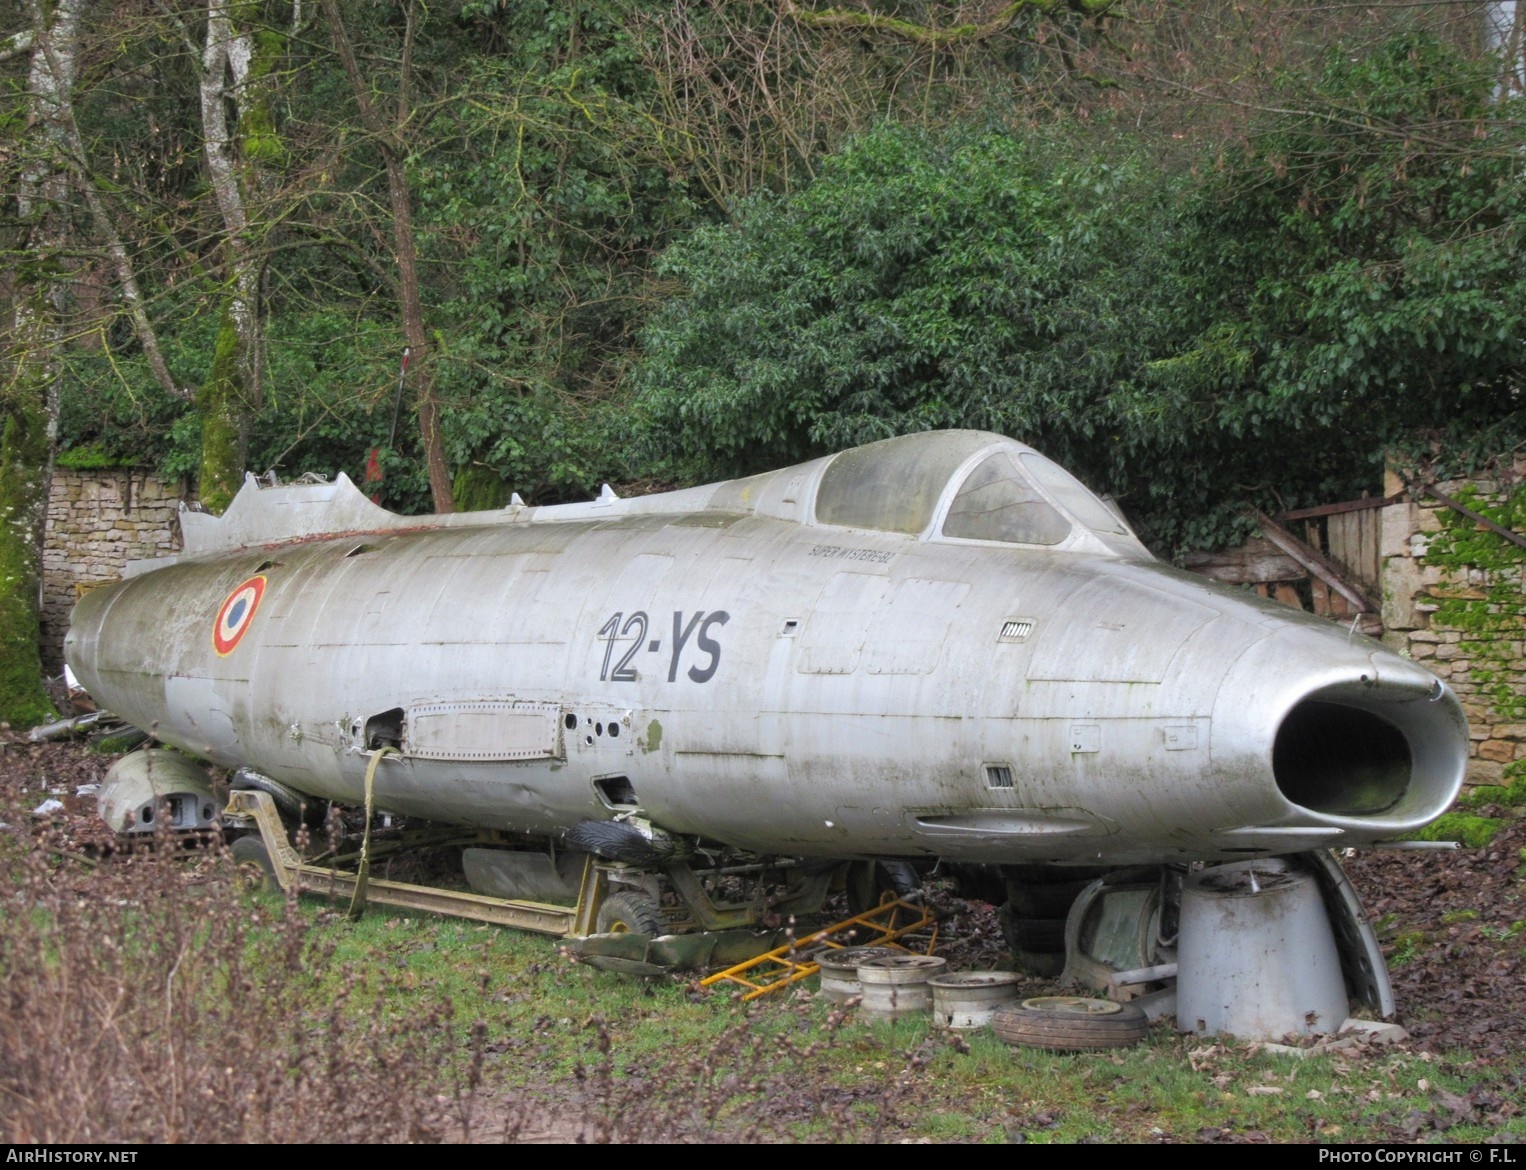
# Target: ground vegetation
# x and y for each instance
(148, 1000)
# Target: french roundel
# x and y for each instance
(236, 614)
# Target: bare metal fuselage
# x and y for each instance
(739, 670)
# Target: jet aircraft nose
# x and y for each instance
(1362, 747)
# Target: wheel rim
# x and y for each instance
(1073, 1005)
(252, 876)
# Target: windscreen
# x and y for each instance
(1066, 490)
(998, 503)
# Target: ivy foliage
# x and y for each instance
(548, 192)
(1361, 257)
(1347, 280)
(970, 278)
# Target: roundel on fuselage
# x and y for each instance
(236, 614)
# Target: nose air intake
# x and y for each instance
(1341, 761)
(1386, 755)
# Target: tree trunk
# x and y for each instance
(224, 421)
(30, 396)
(26, 453)
(387, 141)
(231, 393)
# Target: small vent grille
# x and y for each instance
(998, 776)
(1016, 631)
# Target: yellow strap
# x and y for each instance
(358, 901)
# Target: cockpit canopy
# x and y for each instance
(973, 485)
(955, 486)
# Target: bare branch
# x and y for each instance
(16, 44)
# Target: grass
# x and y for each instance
(147, 1001)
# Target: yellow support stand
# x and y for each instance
(892, 922)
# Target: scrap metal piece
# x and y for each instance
(157, 789)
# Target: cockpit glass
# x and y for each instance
(893, 485)
(1072, 495)
(998, 503)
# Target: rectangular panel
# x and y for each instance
(483, 731)
(835, 629)
(910, 632)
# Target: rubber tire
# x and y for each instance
(617, 841)
(869, 881)
(1037, 944)
(296, 808)
(628, 913)
(256, 873)
(1070, 1023)
(1035, 935)
(1046, 891)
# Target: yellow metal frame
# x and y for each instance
(892, 922)
(296, 876)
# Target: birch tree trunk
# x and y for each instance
(1502, 35)
(29, 397)
(231, 393)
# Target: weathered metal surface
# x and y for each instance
(966, 999)
(152, 790)
(979, 663)
(1257, 959)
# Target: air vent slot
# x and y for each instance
(998, 776)
(616, 791)
(1016, 630)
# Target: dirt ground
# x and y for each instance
(1453, 924)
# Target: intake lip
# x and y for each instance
(1381, 754)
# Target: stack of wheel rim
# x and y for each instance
(1070, 1023)
(839, 970)
(896, 985)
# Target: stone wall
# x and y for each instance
(97, 522)
(1454, 599)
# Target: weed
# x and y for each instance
(1473, 831)
(1406, 946)
(147, 1002)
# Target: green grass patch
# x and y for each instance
(283, 1019)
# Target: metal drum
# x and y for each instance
(1256, 956)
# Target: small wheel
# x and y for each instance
(256, 873)
(1070, 1023)
(628, 913)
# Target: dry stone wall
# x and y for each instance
(1454, 599)
(97, 522)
